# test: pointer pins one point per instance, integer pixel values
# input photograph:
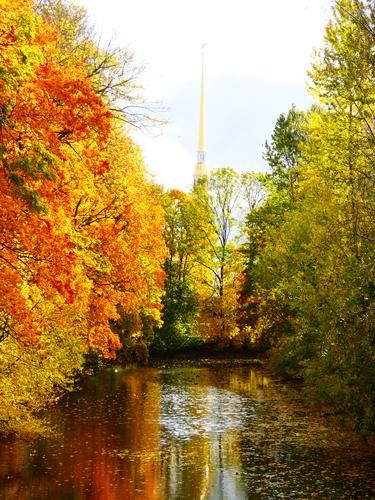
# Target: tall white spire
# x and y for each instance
(201, 167)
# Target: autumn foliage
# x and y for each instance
(80, 224)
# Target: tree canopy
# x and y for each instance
(96, 261)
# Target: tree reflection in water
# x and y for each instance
(185, 433)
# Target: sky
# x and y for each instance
(257, 57)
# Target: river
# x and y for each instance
(186, 433)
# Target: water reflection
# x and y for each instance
(185, 434)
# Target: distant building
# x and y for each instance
(201, 169)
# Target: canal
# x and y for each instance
(186, 433)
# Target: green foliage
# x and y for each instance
(32, 377)
(180, 315)
(37, 164)
(308, 285)
(200, 299)
(180, 306)
(284, 151)
(310, 276)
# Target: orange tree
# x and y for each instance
(80, 225)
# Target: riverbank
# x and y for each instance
(207, 358)
(204, 362)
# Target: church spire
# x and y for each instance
(201, 167)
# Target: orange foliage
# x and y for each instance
(123, 229)
(79, 222)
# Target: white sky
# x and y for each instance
(257, 56)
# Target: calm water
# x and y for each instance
(186, 433)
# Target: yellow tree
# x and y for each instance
(217, 205)
(80, 225)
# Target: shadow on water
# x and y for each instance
(186, 433)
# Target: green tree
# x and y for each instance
(180, 303)
(311, 264)
(284, 151)
(274, 197)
